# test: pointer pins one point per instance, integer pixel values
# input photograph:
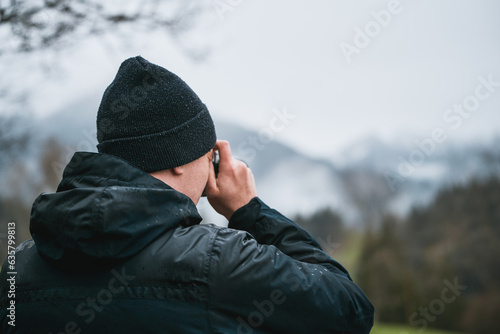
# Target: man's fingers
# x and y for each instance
(224, 152)
(234, 186)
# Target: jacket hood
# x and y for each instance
(105, 210)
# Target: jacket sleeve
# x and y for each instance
(273, 276)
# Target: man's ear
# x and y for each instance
(178, 170)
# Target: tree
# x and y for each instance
(368, 192)
(326, 226)
(456, 238)
(34, 33)
(33, 25)
(14, 139)
(384, 273)
(23, 178)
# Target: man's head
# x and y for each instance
(151, 118)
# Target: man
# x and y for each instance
(119, 249)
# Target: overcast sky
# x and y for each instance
(342, 74)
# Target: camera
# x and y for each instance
(215, 161)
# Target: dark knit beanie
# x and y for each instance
(151, 118)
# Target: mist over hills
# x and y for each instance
(286, 179)
(362, 182)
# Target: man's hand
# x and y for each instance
(234, 187)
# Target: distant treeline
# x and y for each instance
(438, 267)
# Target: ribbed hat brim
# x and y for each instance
(168, 149)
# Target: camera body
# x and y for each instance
(215, 161)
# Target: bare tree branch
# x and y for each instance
(33, 25)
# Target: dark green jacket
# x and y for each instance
(115, 250)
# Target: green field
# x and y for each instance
(400, 329)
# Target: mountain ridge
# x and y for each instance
(298, 184)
